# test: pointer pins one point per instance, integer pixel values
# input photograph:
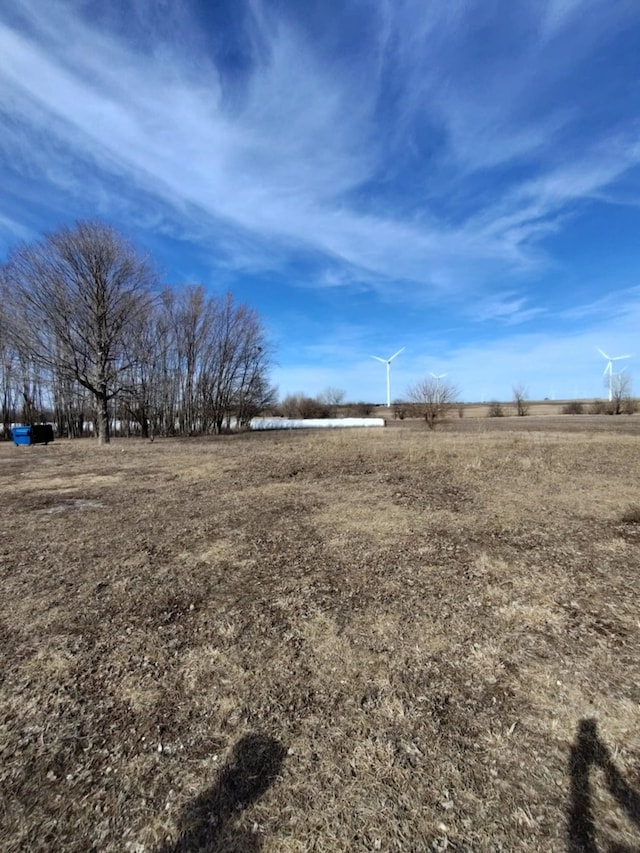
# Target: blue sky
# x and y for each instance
(458, 177)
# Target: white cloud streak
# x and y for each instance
(285, 158)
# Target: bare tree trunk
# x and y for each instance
(103, 416)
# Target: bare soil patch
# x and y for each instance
(353, 640)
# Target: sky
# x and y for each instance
(460, 178)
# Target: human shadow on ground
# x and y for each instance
(207, 823)
(589, 752)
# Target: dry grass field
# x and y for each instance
(387, 640)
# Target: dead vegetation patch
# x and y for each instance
(631, 515)
(333, 641)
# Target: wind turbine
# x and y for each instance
(437, 377)
(609, 368)
(388, 361)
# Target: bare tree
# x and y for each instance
(621, 400)
(255, 397)
(239, 365)
(77, 299)
(141, 394)
(8, 363)
(300, 405)
(165, 381)
(290, 405)
(332, 398)
(520, 400)
(400, 409)
(80, 327)
(433, 398)
(71, 403)
(194, 318)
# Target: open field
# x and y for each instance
(536, 409)
(385, 640)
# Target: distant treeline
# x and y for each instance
(87, 334)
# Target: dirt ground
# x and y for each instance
(382, 639)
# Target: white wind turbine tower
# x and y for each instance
(388, 361)
(609, 368)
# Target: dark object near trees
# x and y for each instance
(36, 434)
(41, 434)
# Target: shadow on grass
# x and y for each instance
(589, 752)
(252, 767)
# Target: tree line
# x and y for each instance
(88, 334)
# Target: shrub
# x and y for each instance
(598, 407)
(496, 410)
(309, 407)
(573, 407)
(362, 409)
(400, 409)
(301, 406)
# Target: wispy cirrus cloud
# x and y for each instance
(298, 149)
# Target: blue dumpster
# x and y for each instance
(21, 435)
(36, 434)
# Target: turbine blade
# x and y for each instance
(618, 357)
(383, 360)
(396, 354)
(603, 353)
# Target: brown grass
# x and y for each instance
(378, 640)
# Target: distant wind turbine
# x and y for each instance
(609, 368)
(388, 361)
(438, 376)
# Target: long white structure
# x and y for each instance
(314, 423)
